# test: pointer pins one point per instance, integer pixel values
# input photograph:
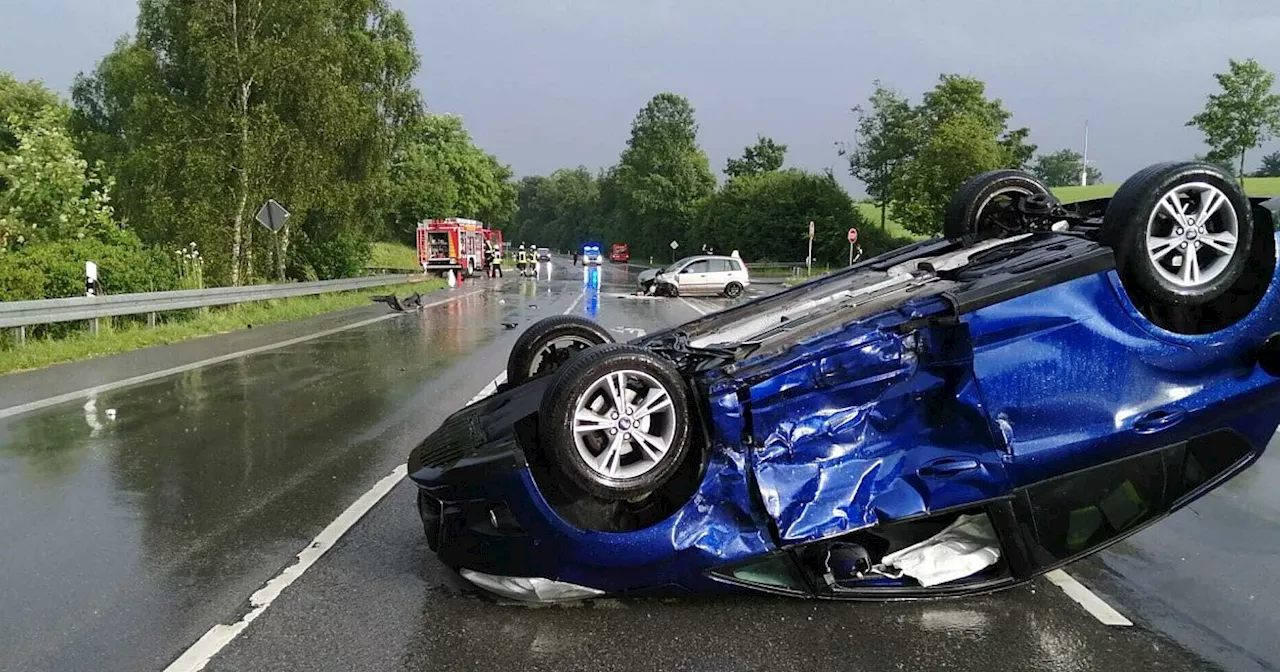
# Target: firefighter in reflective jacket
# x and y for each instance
(488, 257)
(496, 268)
(522, 260)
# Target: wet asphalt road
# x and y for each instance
(127, 538)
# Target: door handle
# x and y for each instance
(948, 466)
(1159, 419)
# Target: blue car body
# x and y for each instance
(1032, 390)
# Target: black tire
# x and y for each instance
(668, 290)
(970, 210)
(560, 405)
(1136, 208)
(524, 363)
(733, 290)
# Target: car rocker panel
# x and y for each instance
(853, 418)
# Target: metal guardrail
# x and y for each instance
(18, 314)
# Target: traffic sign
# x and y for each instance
(853, 236)
(810, 230)
(674, 244)
(272, 215)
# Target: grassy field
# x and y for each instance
(1254, 186)
(36, 353)
(394, 256)
(893, 226)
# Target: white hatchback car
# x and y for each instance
(705, 275)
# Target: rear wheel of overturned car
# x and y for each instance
(615, 421)
(733, 290)
(988, 203)
(1181, 233)
(549, 343)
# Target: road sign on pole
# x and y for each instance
(853, 238)
(674, 245)
(808, 260)
(272, 215)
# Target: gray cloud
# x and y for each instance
(556, 83)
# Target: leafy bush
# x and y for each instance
(766, 218)
(56, 269)
(321, 255)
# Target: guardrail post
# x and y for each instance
(19, 335)
(93, 326)
(151, 319)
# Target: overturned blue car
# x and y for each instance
(949, 418)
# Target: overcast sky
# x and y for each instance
(551, 83)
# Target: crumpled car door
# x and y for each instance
(872, 426)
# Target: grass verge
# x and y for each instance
(37, 353)
(396, 256)
(1254, 186)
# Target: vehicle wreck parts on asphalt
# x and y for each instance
(549, 343)
(953, 417)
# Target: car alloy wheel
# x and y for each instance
(551, 342)
(615, 421)
(624, 424)
(1191, 237)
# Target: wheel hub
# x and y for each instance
(623, 425)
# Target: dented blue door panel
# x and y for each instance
(1073, 376)
(869, 424)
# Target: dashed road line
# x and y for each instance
(1087, 599)
(155, 375)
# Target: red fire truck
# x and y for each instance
(455, 244)
(620, 253)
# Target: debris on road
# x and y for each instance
(413, 302)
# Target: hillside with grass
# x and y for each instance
(1254, 186)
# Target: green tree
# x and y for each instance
(762, 157)
(1062, 168)
(887, 137)
(216, 105)
(439, 172)
(1270, 166)
(48, 192)
(662, 176)
(561, 210)
(961, 147)
(766, 217)
(962, 133)
(1244, 115)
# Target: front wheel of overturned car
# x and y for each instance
(1181, 232)
(988, 204)
(615, 421)
(549, 343)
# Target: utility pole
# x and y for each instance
(1084, 164)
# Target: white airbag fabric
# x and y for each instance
(964, 548)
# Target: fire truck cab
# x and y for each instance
(454, 244)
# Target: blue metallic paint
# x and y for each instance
(866, 425)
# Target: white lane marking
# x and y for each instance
(1087, 599)
(147, 377)
(687, 303)
(219, 636)
(490, 388)
(198, 655)
(575, 301)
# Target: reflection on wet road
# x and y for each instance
(139, 516)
